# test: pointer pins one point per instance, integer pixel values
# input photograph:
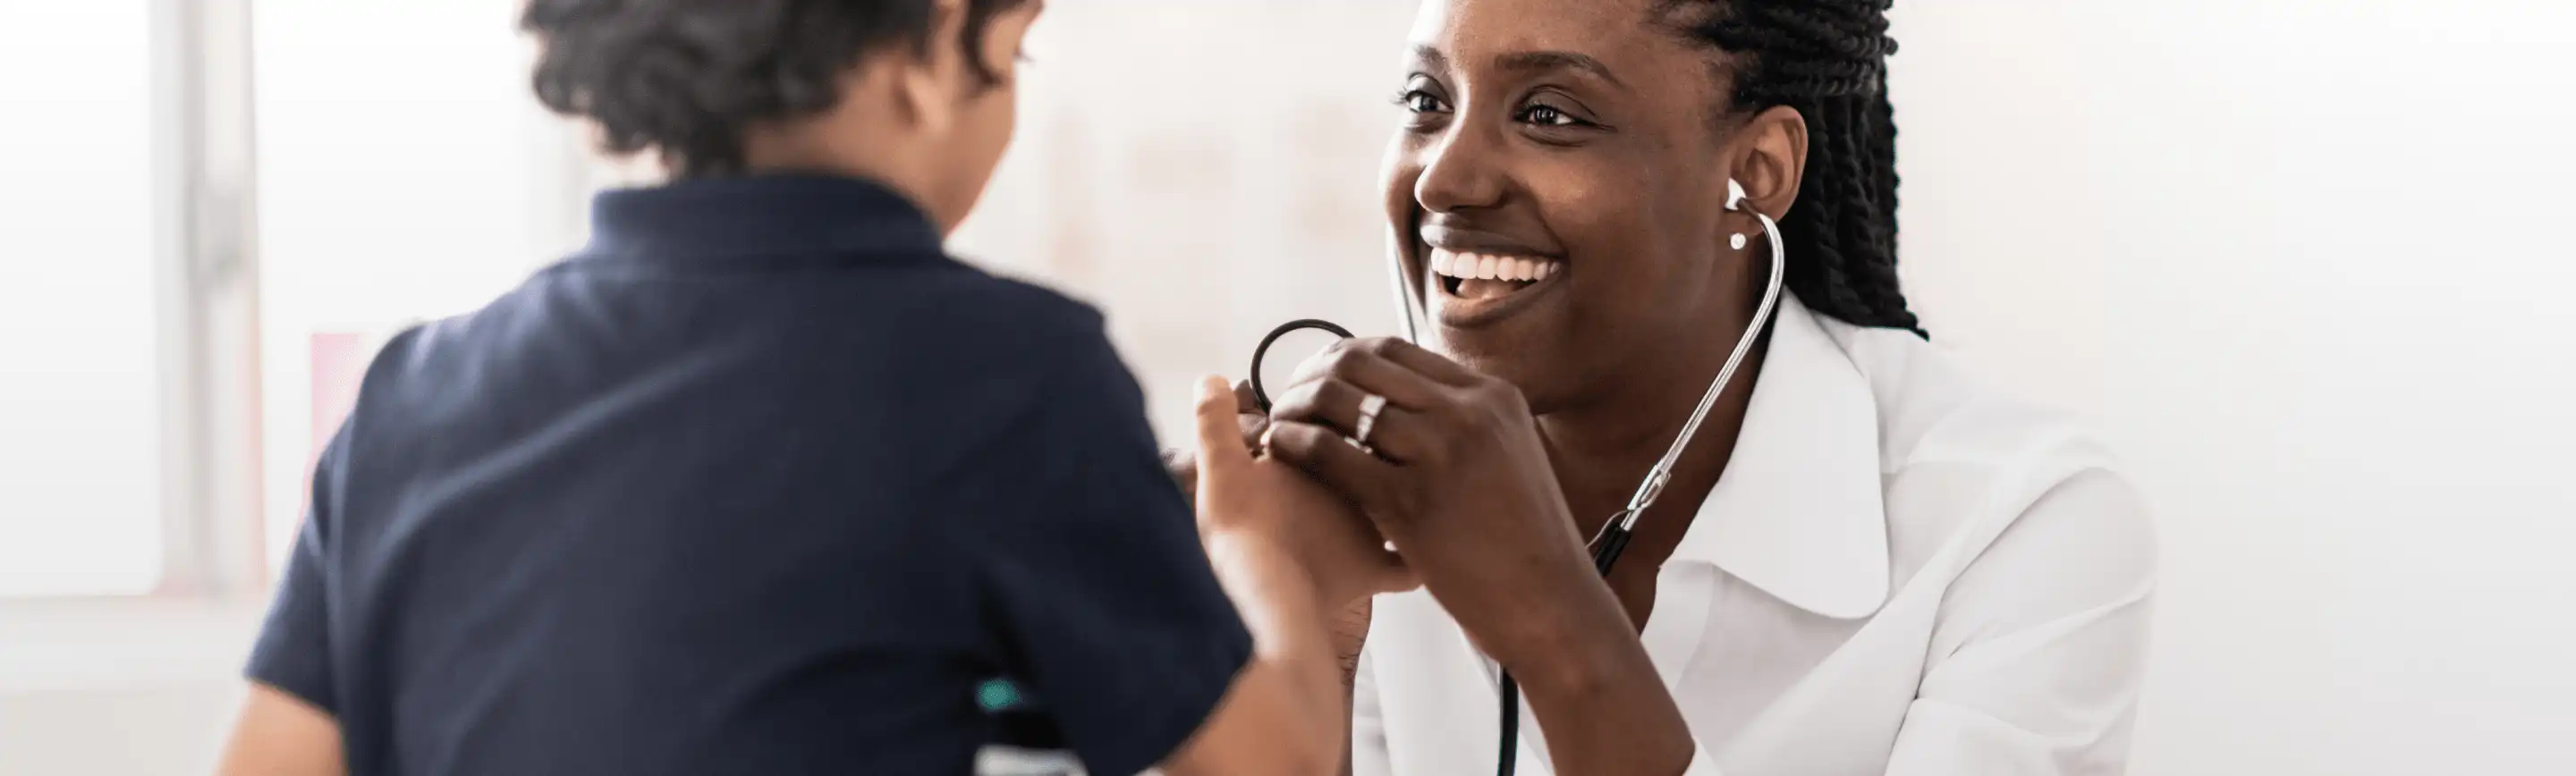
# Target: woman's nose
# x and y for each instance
(1460, 172)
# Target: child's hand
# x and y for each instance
(1270, 502)
(1183, 464)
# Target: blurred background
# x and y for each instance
(2305, 262)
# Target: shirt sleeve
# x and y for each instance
(2041, 645)
(1099, 587)
(293, 653)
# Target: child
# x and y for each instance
(762, 481)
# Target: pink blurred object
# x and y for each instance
(339, 365)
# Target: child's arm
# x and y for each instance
(279, 735)
(1291, 556)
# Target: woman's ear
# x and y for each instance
(1771, 160)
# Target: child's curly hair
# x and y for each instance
(683, 79)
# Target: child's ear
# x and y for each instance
(929, 99)
(927, 84)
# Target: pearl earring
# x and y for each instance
(1735, 202)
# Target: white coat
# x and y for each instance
(1902, 572)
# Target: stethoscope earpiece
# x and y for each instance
(1735, 203)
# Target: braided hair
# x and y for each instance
(1828, 60)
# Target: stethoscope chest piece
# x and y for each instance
(1260, 393)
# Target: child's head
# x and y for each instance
(916, 93)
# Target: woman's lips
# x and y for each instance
(1478, 288)
(1487, 266)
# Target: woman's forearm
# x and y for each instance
(1603, 706)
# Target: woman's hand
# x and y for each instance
(1457, 476)
(1269, 502)
(1461, 482)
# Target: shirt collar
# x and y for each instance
(759, 215)
(1798, 512)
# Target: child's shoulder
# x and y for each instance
(1007, 314)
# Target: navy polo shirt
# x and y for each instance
(761, 482)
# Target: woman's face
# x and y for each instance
(1576, 147)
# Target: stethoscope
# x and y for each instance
(1613, 536)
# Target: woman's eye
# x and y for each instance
(1548, 117)
(1419, 101)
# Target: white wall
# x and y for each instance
(2306, 261)
(1209, 186)
(77, 342)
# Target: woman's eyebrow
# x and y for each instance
(1538, 61)
(1431, 58)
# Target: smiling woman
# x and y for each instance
(1815, 71)
(1864, 562)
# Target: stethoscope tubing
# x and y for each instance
(1260, 393)
(1613, 537)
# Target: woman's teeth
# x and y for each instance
(1478, 266)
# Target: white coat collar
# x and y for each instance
(1799, 513)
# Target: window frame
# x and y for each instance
(209, 301)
